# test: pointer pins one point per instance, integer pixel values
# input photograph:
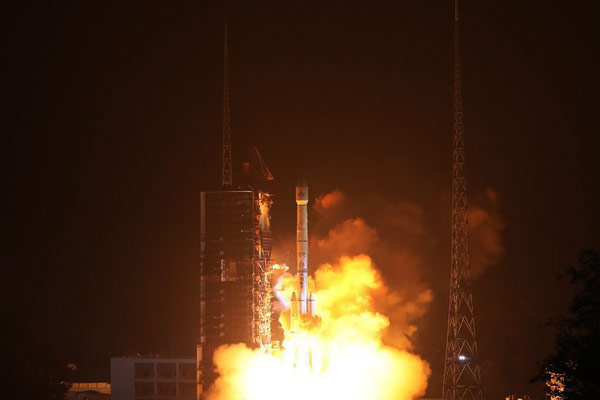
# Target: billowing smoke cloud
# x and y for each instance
(404, 216)
(336, 354)
(401, 234)
(485, 232)
(396, 251)
(352, 236)
(406, 243)
(329, 202)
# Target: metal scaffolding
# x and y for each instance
(227, 170)
(462, 375)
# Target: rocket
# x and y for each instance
(304, 303)
(302, 243)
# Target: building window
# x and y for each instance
(144, 370)
(187, 371)
(187, 390)
(166, 371)
(166, 389)
(144, 388)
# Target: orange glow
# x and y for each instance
(338, 353)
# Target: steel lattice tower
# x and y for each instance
(462, 374)
(227, 175)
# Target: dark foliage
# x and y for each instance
(35, 365)
(577, 348)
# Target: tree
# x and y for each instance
(36, 367)
(575, 361)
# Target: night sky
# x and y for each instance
(117, 129)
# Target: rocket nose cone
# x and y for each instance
(311, 297)
(293, 298)
(302, 183)
(302, 191)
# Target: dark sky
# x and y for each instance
(117, 127)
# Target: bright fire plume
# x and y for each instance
(337, 354)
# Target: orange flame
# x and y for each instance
(338, 353)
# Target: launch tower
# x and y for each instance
(235, 256)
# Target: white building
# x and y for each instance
(143, 378)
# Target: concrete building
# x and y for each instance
(142, 378)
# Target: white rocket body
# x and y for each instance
(302, 243)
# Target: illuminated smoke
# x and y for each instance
(485, 232)
(329, 201)
(337, 354)
(394, 233)
(353, 236)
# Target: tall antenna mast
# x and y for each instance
(227, 175)
(462, 374)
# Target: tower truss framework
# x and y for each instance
(227, 172)
(462, 373)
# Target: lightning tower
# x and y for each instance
(227, 175)
(462, 374)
